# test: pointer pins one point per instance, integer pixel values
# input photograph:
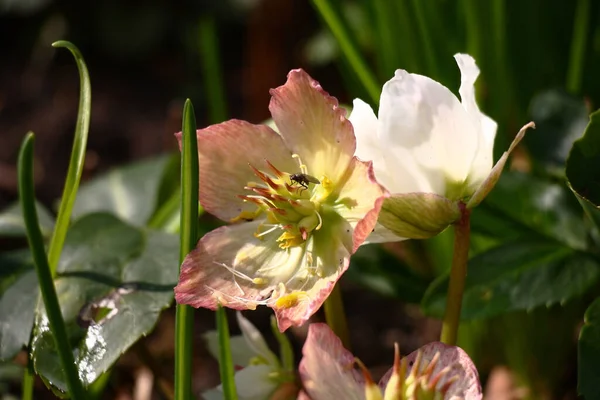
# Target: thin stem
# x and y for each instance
(336, 317)
(578, 44)
(28, 380)
(348, 48)
(226, 368)
(77, 158)
(184, 317)
(42, 268)
(458, 274)
(425, 32)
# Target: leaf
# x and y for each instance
(583, 169)
(539, 206)
(18, 296)
(378, 270)
(588, 357)
(113, 281)
(520, 275)
(559, 119)
(130, 192)
(12, 224)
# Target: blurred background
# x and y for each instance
(539, 61)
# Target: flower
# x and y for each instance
(429, 149)
(300, 202)
(259, 373)
(435, 371)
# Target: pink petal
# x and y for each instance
(360, 200)
(206, 276)
(467, 386)
(313, 125)
(224, 152)
(327, 368)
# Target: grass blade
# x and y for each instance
(42, 268)
(77, 158)
(184, 320)
(225, 361)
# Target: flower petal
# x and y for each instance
(328, 256)
(255, 341)
(313, 125)
(326, 368)
(224, 152)
(429, 135)
(467, 386)
(482, 163)
(368, 144)
(231, 267)
(360, 198)
(254, 382)
(381, 234)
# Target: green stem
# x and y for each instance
(77, 158)
(209, 53)
(348, 48)
(28, 380)
(578, 45)
(42, 268)
(184, 317)
(226, 369)
(336, 317)
(458, 274)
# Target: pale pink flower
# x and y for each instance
(300, 203)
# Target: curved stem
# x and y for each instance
(578, 45)
(458, 274)
(42, 269)
(336, 317)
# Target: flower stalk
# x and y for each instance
(336, 317)
(458, 274)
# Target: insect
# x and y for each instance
(304, 179)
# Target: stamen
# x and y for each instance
(303, 168)
(320, 221)
(258, 235)
(250, 304)
(235, 273)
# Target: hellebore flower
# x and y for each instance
(259, 373)
(429, 149)
(434, 372)
(300, 202)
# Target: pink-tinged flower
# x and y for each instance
(435, 371)
(299, 202)
(429, 149)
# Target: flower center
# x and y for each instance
(291, 202)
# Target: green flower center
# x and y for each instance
(290, 201)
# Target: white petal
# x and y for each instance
(483, 160)
(213, 394)
(253, 382)
(382, 235)
(255, 340)
(429, 135)
(368, 144)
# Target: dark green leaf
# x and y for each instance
(520, 275)
(113, 281)
(540, 206)
(18, 297)
(129, 192)
(583, 169)
(12, 224)
(559, 119)
(589, 353)
(377, 269)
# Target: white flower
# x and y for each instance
(429, 149)
(259, 373)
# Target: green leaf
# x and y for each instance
(588, 358)
(18, 297)
(378, 270)
(539, 206)
(130, 192)
(559, 120)
(114, 278)
(583, 169)
(520, 275)
(12, 224)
